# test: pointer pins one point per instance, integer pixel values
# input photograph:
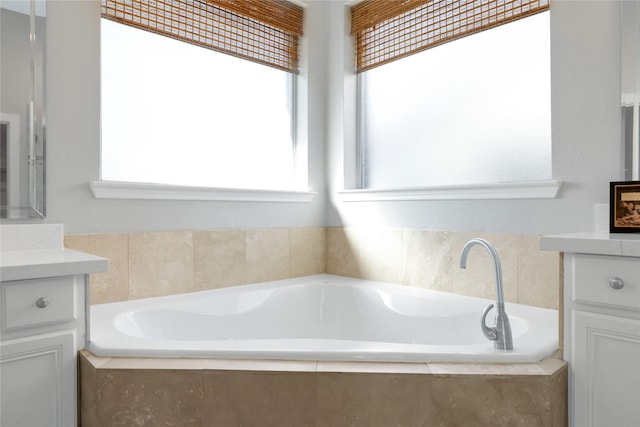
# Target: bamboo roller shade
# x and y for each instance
(386, 30)
(263, 31)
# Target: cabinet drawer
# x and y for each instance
(592, 277)
(34, 302)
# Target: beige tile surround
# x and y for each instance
(430, 259)
(228, 393)
(149, 264)
(162, 263)
(211, 392)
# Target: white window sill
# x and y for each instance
(146, 191)
(513, 190)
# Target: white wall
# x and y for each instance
(585, 126)
(585, 132)
(74, 142)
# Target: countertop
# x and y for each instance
(593, 243)
(31, 251)
(31, 264)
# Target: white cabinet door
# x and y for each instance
(37, 381)
(606, 370)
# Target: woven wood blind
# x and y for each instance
(264, 31)
(386, 30)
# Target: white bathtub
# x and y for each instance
(320, 317)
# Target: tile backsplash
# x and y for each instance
(151, 264)
(163, 263)
(430, 259)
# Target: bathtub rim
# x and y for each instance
(342, 349)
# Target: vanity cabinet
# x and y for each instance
(601, 327)
(42, 327)
(43, 324)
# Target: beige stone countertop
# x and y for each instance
(547, 366)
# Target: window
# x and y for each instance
(472, 110)
(199, 101)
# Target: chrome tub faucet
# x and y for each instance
(500, 333)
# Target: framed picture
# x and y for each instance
(624, 205)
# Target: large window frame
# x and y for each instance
(372, 13)
(297, 192)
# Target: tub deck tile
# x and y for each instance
(261, 365)
(374, 367)
(265, 399)
(156, 363)
(134, 397)
(374, 400)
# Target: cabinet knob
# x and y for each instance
(42, 302)
(616, 283)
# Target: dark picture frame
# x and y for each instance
(624, 207)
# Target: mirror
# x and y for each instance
(630, 82)
(22, 108)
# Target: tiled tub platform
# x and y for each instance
(228, 393)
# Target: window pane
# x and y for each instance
(175, 113)
(476, 110)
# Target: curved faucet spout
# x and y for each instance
(496, 265)
(500, 333)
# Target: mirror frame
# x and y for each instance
(630, 88)
(25, 128)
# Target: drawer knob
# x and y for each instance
(616, 283)
(42, 302)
